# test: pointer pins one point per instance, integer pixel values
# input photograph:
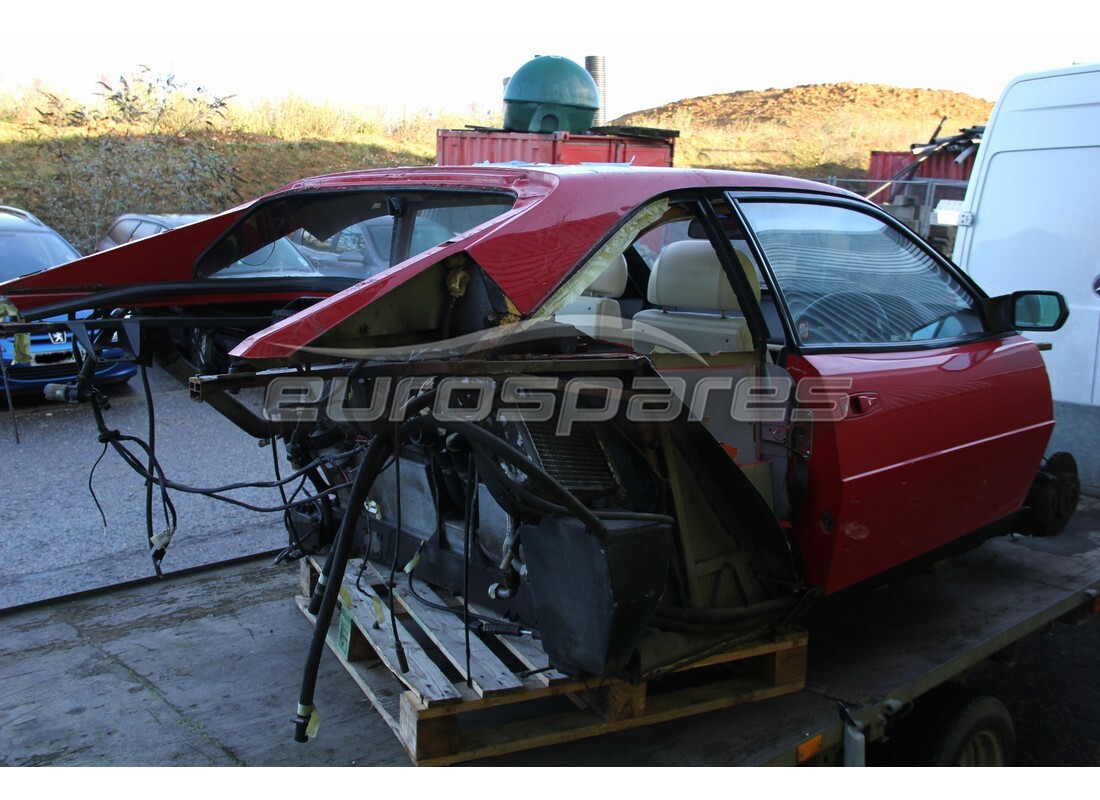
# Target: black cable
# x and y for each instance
(154, 475)
(366, 555)
(263, 509)
(157, 552)
(447, 608)
(116, 439)
(291, 526)
(91, 490)
(471, 495)
(392, 584)
(299, 473)
(131, 460)
(143, 472)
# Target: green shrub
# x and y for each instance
(143, 148)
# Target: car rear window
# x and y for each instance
(357, 233)
(22, 252)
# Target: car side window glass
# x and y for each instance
(146, 229)
(121, 232)
(851, 278)
(428, 233)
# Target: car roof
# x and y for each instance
(15, 219)
(577, 206)
(167, 220)
(587, 201)
(645, 179)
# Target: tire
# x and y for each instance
(1053, 498)
(979, 734)
(202, 352)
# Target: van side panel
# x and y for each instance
(1033, 204)
(1043, 232)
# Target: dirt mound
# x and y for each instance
(805, 103)
(809, 129)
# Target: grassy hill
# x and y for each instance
(152, 145)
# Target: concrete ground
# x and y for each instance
(204, 670)
(201, 671)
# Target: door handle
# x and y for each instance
(862, 403)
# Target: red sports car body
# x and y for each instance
(623, 405)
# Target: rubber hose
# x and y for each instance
(377, 452)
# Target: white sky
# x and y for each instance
(423, 54)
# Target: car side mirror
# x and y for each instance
(1028, 311)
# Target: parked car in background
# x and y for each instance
(207, 347)
(128, 227)
(28, 245)
(366, 248)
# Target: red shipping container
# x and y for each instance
(463, 147)
(886, 164)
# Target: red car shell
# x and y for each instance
(935, 441)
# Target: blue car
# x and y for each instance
(28, 245)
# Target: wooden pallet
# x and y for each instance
(509, 699)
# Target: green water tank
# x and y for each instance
(548, 94)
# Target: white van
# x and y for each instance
(1031, 220)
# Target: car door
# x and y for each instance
(925, 426)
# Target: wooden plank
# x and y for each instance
(351, 643)
(532, 656)
(307, 576)
(446, 630)
(374, 679)
(372, 616)
(760, 647)
(618, 701)
(785, 667)
(424, 739)
(545, 731)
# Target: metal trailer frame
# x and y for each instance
(942, 623)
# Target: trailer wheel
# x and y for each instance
(200, 351)
(979, 734)
(1053, 497)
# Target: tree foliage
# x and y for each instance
(145, 147)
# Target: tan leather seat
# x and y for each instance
(696, 304)
(596, 312)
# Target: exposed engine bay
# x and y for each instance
(629, 546)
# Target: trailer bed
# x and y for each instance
(204, 669)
